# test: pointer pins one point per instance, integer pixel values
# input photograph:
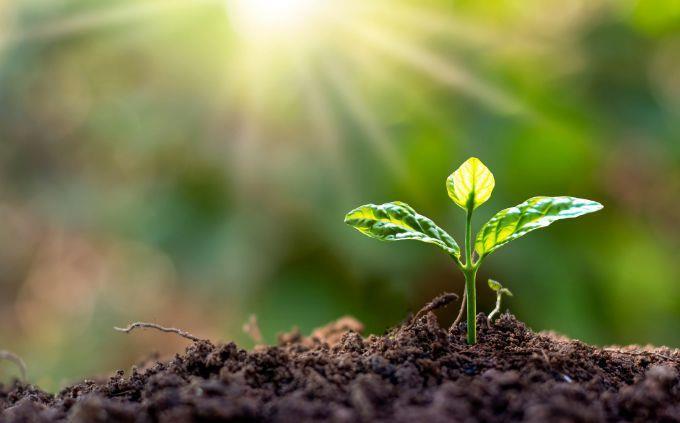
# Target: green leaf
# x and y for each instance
(535, 213)
(397, 221)
(497, 287)
(471, 184)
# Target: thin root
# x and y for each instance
(179, 332)
(10, 356)
(438, 302)
(252, 329)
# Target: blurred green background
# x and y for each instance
(190, 163)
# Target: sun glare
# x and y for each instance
(283, 47)
(257, 19)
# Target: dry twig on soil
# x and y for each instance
(10, 356)
(179, 332)
(461, 311)
(252, 329)
(438, 302)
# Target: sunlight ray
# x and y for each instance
(243, 159)
(363, 115)
(87, 21)
(426, 20)
(326, 128)
(374, 69)
(445, 71)
(368, 122)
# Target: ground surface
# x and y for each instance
(415, 372)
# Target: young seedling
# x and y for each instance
(499, 290)
(469, 187)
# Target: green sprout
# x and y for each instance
(469, 187)
(499, 290)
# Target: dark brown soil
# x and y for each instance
(417, 373)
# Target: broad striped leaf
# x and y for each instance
(535, 213)
(397, 221)
(471, 184)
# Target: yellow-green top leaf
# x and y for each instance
(535, 213)
(471, 184)
(398, 221)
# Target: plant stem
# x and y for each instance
(470, 272)
(471, 291)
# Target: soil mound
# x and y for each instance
(418, 371)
